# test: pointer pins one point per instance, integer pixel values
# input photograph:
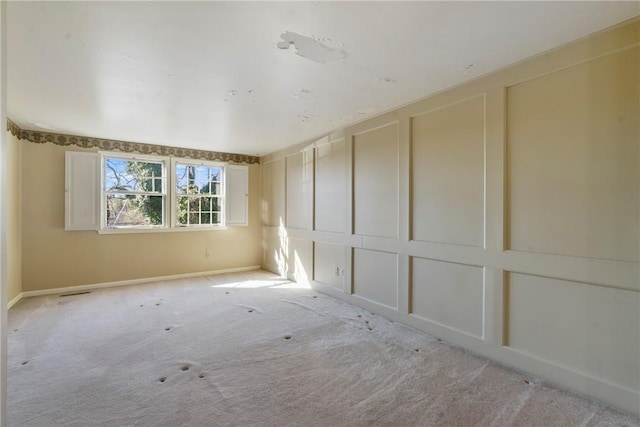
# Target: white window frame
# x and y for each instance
(174, 196)
(85, 196)
(165, 161)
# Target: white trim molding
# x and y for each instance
(15, 300)
(54, 291)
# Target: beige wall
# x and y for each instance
(502, 215)
(14, 228)
(53, 257)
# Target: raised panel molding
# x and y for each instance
(299, 194)
(274, 193)
(567, 311)
(329, 264)
(300, 260)
(447, 155)
(574, 174)
(375, 276)
(330, 182)
(274, 250)
(449, 294)
(375, 182)
(576, 325)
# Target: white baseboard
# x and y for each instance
(272, 268)
(15, 300)
(130, 282)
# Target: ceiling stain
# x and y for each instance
(468, 68)
(302, 93)
(240, 95)
(310, 48)
(384, 79)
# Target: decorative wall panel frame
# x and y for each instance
(497, 260)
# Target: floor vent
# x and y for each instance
(75, 293)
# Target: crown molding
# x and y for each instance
(124, 146)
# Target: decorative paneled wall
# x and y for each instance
(448, 294)
(502, 215)
(330, 189)
(375, 176)
(447, 174)
(573, 160)
(375, 276)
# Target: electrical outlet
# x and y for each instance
(207, 254)
(337, 271)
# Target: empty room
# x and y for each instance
(322, 213)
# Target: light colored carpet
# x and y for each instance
(252, 349)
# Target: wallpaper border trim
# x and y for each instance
(125, 146)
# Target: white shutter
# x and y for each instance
(82, 192)
(237, 195)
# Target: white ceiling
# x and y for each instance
(254, 77)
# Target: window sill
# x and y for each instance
(158, 230)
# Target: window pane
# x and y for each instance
(216, 174)
(191, 187)
(202, 177)
(197, 191)
(181, 179)
(210, 204)
(182, 210)
(194, 204)
(211, 188)
(198, 179)
(215, 204)
(182, 218)
(128, 210)
(198, 210)
(133, 176)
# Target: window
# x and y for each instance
(199, 193)
(120, 192)
(134, 192)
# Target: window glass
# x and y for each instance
(199, 197)
(146, 192)
(134, 192)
